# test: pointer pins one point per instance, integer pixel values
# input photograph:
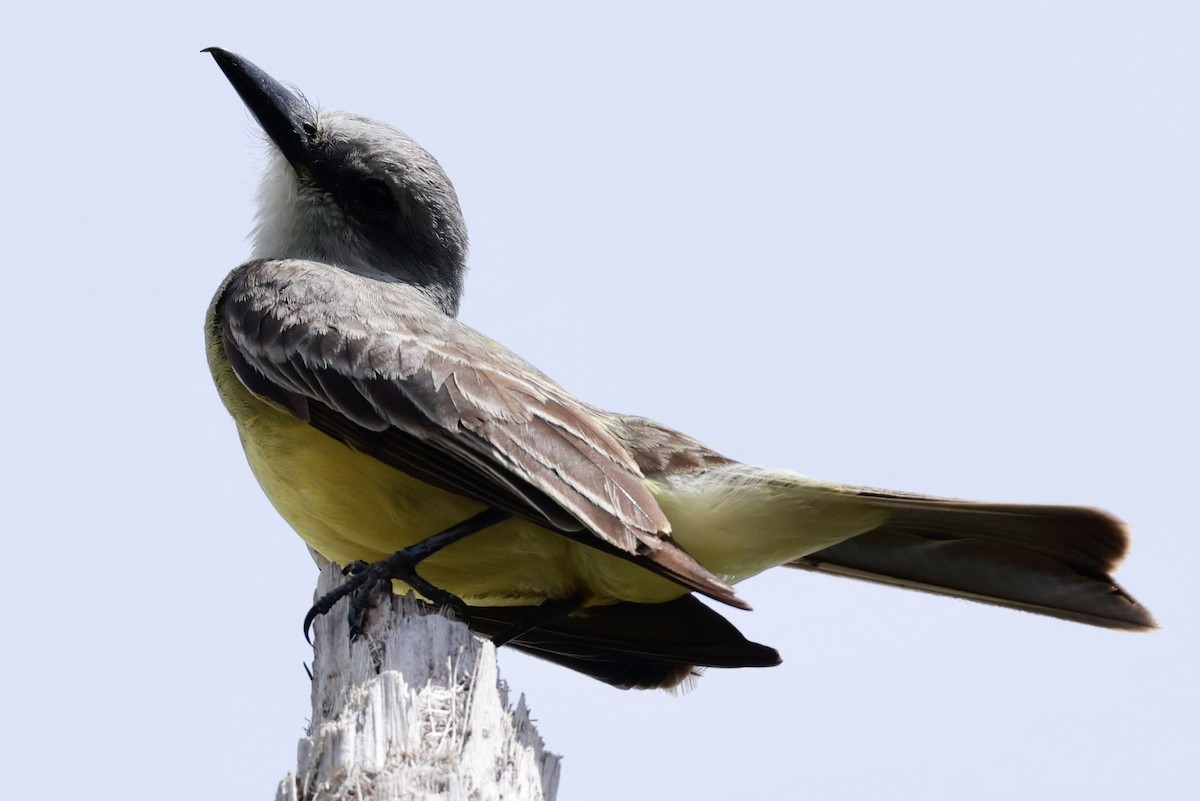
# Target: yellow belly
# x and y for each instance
(348, 506)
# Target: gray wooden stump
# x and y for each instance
(415, 710)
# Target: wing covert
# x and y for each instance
(379, 367)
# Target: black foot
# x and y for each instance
(401, 566)
(363, 582)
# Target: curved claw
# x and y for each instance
(399, 566)
(402, 566)
(327, 601)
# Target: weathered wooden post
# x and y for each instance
(413, 710)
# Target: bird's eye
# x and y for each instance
(373, 197)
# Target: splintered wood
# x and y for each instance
(413, 710)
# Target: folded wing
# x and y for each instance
(379, 367)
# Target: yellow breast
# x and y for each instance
(349, 506)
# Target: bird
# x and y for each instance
(390, 434)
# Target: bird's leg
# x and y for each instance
(540, 615)
(402, 565)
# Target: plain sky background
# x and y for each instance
(949, 248)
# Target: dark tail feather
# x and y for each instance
(633, 646)
(1052, 560)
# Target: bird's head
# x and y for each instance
(350, 191)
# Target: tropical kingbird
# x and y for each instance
(373, 419)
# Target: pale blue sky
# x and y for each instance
(953, 249)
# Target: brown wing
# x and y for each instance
(379, 367)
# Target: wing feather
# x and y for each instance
(378, 366)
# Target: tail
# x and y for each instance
(1051, 560)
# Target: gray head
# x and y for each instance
(350, 191)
